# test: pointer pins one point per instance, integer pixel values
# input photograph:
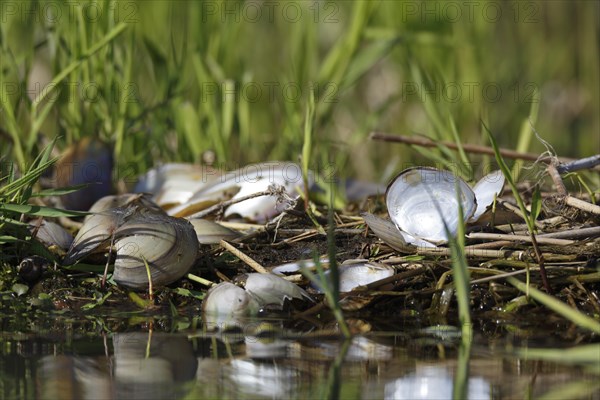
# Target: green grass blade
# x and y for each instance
(40, 211)
(526, 133)
(557, 306)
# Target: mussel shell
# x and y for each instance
(169, 245)
(385, 230)
(94, 236)
(174, 183)
(488, 188)
(420, 200)
(52, 234)
(242, 182)
(108, 214)
(228, 299)
(272, 290)
(128, 199)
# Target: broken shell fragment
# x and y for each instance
(210, 232)
(272, 290)
(486, 190)
(354, 275)
(424, 202)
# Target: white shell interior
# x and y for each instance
(246, 181)
(421, 200)
(488, 187)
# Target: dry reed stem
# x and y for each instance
(245, 258)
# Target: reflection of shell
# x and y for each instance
(433, 382)
(423, 202)
(152, 365)
(259, 379)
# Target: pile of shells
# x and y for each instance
(227, 303)
(184, 190)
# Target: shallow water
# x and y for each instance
(137, 358)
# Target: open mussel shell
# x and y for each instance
(250, 294)
(242, 182)
(174, 183)
(94, 235)
(385, 230)
(168, 245)
(141, 233)
(107, 214)
(424, 202)
(486, 190)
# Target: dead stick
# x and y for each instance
(470, 148)
(519, 238)
(220, 206)
(582, 205)
(247, 259)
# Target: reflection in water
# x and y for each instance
(262, 379)
(273, 364)
(152, 366)
(68, 377)
(433, 383)
(143, 366)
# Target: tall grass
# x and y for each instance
(178, 78)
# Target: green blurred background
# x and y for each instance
(169, 80)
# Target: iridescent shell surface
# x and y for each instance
(424, 202)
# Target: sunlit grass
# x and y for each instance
(177, 79)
